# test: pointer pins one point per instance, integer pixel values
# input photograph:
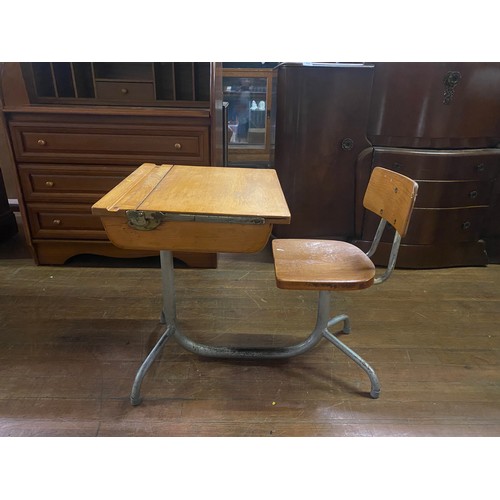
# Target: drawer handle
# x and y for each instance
(480, 167)
(56, 222)
(49, 184)
(347, 144)
(451, 80)
(466, 225)
(473, 194)
(124, 91)
(177, 146)
(41, 142)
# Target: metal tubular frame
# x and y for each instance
(168, 316)
(377, 238)
(392, 260)
(394, 251)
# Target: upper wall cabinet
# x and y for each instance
(110, 83)
(445, 105)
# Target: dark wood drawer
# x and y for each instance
(70, 183)
(125, 91)
(431, 226)
(108, 143)
(64, 221)
(416, 104)
(428, 226)
(453, 194)
(483, 164)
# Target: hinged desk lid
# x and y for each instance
(183, 189)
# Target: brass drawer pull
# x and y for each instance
(466, 225)
(124, 91)
(49, 184)
(473, 194)
(41, 142)
(177, 145)
(56, 222)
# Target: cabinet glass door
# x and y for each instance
(248, 97)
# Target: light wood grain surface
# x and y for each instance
(391, 196)
(199, 190)
(321, 265)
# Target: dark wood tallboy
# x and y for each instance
(438, 123)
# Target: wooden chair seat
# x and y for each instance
(305, 264)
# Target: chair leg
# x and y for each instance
(338, 319)
(375, 384)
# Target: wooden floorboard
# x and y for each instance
(72, 338)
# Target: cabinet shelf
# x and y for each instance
(153, 84)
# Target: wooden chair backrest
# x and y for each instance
(391, 196)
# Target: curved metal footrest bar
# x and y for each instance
(338, 319)
(263, 352)
(135, 397)
(250, 353)
(375, 384)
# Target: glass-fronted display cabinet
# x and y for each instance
(247, 93)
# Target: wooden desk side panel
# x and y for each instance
(189, 236)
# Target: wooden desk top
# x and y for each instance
(185, 189)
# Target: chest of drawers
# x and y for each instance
(66, 161)
(452, 207)
(76, 129)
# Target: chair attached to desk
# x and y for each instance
(325, 265)
(218, 209)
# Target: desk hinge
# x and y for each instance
(145, 220)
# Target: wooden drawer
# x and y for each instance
(70, 183)
(448, 165)
(125, 91)
(452, 194)
(445, 225)
(110, 143)
(417, 104)
(432, 226)
(64, 221)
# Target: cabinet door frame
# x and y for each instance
(257, 153)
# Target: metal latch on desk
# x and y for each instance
(144, 220)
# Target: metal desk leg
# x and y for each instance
(168, 316)
(169, 313)
(135, 396)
